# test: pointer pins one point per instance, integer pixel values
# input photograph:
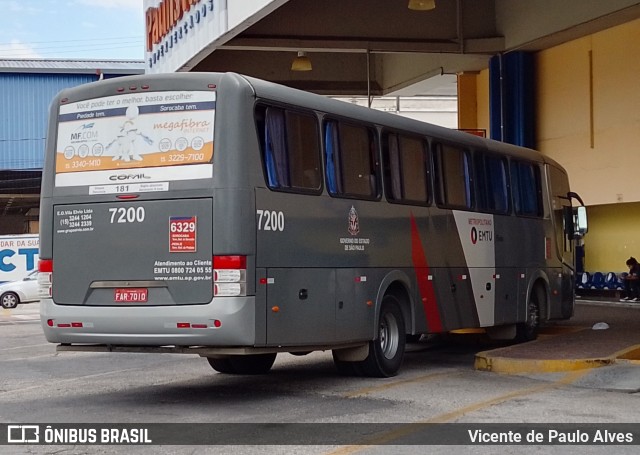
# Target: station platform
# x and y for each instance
(603, 335)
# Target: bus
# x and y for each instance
(233, 218)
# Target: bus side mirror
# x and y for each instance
(575, 221)
(581, 227)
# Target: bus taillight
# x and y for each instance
(229, 276)
(45, 278)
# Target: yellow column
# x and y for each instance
(467, 101)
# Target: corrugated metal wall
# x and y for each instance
(24, 109)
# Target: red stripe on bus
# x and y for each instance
(427, 293)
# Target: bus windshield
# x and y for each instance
(152, 130)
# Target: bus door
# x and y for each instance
(509, 244)
(561, 251)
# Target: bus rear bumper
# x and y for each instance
(226, 321)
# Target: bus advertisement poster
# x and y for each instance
(136, 131)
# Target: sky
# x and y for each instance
(72, 29)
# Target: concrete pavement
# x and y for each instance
(603, 336)
(612, 355)
(24, 313)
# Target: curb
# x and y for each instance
(489, 361)
(608, 303)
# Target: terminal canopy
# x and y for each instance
(382, 47)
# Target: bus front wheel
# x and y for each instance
(243, 364)
(387, 350)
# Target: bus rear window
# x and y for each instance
(154, 130)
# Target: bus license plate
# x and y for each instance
(131, 295)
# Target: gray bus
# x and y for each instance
(233, 218)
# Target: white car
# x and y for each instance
(13, 293)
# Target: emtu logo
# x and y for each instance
(481, 229)
(481, 236)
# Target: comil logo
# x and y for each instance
(23, 434)
(128, 177)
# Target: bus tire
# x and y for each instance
(386, 352)
(221, 365)
(528, 330)
(243, 364)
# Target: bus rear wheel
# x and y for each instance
(387, 350)
(528, 330)
(243, 364)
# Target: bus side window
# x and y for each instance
(291, 150)
(392, 164)
(453, 174)
(350, 152)
(333, 166)
(276, 149)
(414, 169)
(304, 151)
(406, 165)
(526, 189)
(491, 175)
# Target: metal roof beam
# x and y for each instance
(475, 45)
